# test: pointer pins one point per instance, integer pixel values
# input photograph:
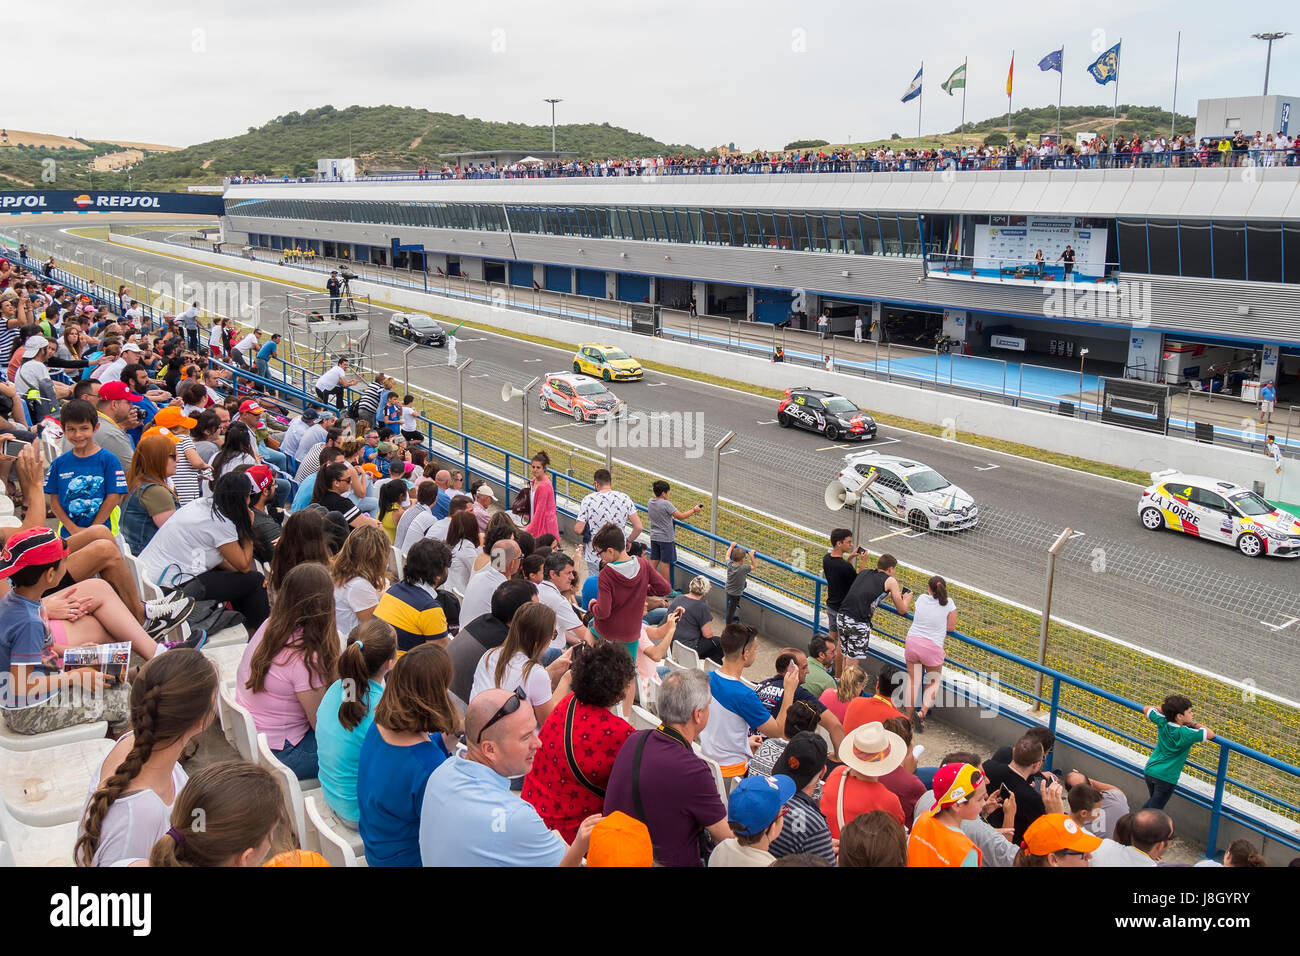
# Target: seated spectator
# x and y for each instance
(393, 502)
(658, 779)
(306, 492)
(469, 817)
(937, 838)
(804, 761)
(867, 753)
(484, 499)
(1150, 832)
(206, 548)
(619, 840)
(873, 839)
(695, 629)
(801, 718)
(347, 711)
(332, 484)
(755, 815)
(902, 780)
(1045, 737)
(622, 587)
(360, 572)
(231, 813)
(580, 740)
(771, 690)
(412, 735)
(302, 540)
(506, 557)
(517, 662)
(558, 577)
(128, 805)
(287, 666)
(726, 738)
(995, 846)
(1242, 853)
(1031, 800)
(852, 685)
(85, 485)
(485, 632)
(462, 542)
(193, 474)
(298, 427)
(408, 531)
(152, 500)
(1094, 805)
(879, 707)
(1054, 839)
(237, 449)
(651, 650)
(500, 528)
(412, 605)
(820, 665)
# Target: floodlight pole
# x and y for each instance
(524, 398)
(717, 477)
(406, 366)
(552, 102)
(1052, 552)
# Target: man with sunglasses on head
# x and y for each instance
(1150, 834)
(469, 816)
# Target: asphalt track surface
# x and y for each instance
(1200, 603)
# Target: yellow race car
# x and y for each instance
(606, 362)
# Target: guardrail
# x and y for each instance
(478, 457)
(943, 160)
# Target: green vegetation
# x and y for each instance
(807, 144)
(1142, 120)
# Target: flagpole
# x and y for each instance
(1173, 113)
(1114, 114)
(1060, 85)
(919, 100)
(964, 81)
(1011, 72)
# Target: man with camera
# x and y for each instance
(335, 288)
(840, 568)
(335, 382)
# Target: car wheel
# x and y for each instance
(577, 368)
(545, 405)
(606, 376)
(1250, 545)
(1152, 519)
(917, 520)
(577, 415)
(783, 419)
(832, 433)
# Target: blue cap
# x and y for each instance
(756, 801)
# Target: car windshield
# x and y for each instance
(420, 322)
(1249, 503)
(615, 355)
(589, 388)
(924, 481)
(841, 406)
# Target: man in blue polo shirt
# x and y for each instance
(469, 816)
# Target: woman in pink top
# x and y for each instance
(288, 665)
(837, 699)
(542, 499)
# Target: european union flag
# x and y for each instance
(1052, 61)
(1106, 67)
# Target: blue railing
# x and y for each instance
(940, 160)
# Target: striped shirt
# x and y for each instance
(415, 614)
(186, 480)
(805, 830)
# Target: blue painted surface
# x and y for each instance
(772, 305)
(559, 279)
(521, 274)
(591, 282)
(1031, 381)
(633, 288)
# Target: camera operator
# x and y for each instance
(335, 288)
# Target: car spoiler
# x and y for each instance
(859, 455)
(1157, 476)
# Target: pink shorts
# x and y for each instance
(923, 651)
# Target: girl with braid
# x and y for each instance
(129, 805)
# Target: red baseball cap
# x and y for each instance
(31, 548)
(115, 391)
(261, 477)
(250, 407)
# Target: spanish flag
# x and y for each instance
(1010, 70)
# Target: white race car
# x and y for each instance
(1219, 511)
(909, 491)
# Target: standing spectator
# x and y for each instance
(517, 663)
(412, 736)
(1274, 451)
(410, 424)
(823, 323)
(840, 567)
(189, 320)
(412, 605)
(821, 661)
(469, 818)
(1067, 257)
(1176, 735)
(934, 616)
(604, 506)
(869, 588)
(658, 779)
(737, 575)
(873, 839)
(84, 485)
(287, 666)
(937, 838)
(1267, 396)
(852, 685)
(267, 352)
(695, 628)
(360, 575)
(803, 760)
(246, 348)
(622, 586)
(868, 753)
(580, 741)
(347, 711)
(216, 337)
(372, 398)
(755, 814)
(334, 383)
(857, 328)
(663, 533)
(541, 499)
(335, 289)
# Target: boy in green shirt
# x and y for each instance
(1176, 734)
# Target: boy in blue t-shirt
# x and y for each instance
(86, 484)
(393, 411)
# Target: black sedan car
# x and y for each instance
(820, 411)
(418, 328)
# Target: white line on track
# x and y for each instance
(985, 467)
(830, 447)
(770, 421)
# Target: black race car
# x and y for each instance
(418, 328)
(820, 411)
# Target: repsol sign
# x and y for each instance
(68, 200)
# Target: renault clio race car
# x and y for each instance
(420, 329)
(586, 399)
(826, 412)
(606, 362)
(909, 491)
(1219, 511)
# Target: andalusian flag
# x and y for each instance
(1010, 70)
(456, 329)
(957, 79)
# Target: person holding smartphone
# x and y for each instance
(663, 533)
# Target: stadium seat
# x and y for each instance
(685, 656)
(236, 636)
(36, 846)
(642, 719)
(709, 664)
(44, 788)
(238, 725)
(718, 780)
(340, 845)
(226, 658)
(20, 743)
(395, 563)
(291, 788)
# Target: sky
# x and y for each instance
(757, 73)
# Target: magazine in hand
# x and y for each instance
(110, 659)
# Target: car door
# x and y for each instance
(1215, 515)
(589, 360)
(816, 413)
(885, 495)
(560, 396)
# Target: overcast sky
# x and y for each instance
(758, 73)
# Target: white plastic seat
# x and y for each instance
(395, 563)
(226, 637)
(21, 743)
(340, 845)
(686, 656)
(642, 719)
(719, 780)
(36, 846)
(226, 659)
(291, 788)
(709, 664)
(47, 787)
(237, 723)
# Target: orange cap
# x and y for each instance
(620, 840)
